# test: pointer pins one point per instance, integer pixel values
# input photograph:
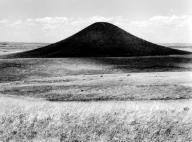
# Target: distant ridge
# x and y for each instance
(100, 39)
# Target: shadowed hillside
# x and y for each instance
(100, 40)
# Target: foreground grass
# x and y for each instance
(89, 122)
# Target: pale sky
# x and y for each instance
(164, 21)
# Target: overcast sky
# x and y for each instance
(163, 21)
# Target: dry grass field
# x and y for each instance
(29, 119)
(149, 121)
(144, 99)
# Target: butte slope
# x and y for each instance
(100, 40)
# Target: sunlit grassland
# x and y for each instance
(36, 120)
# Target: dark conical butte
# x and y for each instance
(100, 40)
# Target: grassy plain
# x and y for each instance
(149, 121)
(98, 79)
(96, 99)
